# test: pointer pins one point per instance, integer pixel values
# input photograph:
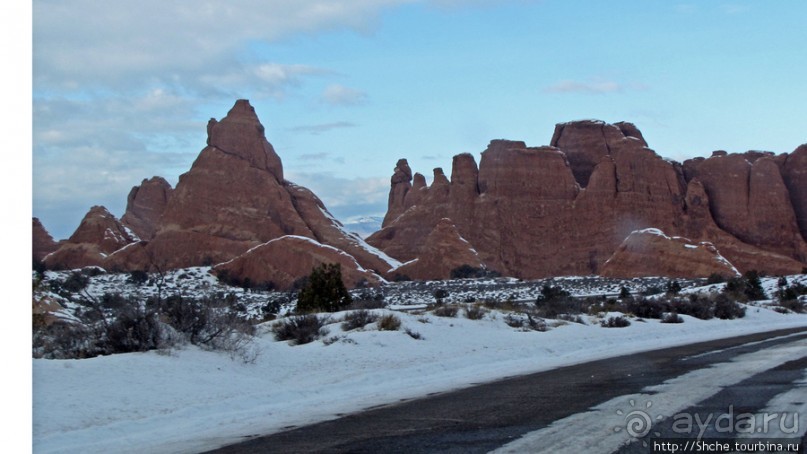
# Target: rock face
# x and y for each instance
(42, 243)
(650, 252)
(282, 261)
(443, 251)
(566, 208)
(145, 205)
(99, 234)
(233, 199)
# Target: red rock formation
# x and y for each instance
(650, 252)
(565, 209)
(42, 243)
(145, 205)
(232, 199)
(400, 183)
(284, 260)
(749, 199)
(99, 234)
(443, 251)
(795, 177)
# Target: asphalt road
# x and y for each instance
(485, 417)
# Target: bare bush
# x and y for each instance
(389, 323)
(446, 311)
(358, 319)
(300, 329)
(475, 312)
(615, 322)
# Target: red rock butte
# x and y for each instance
(597, 200)
(570, 208)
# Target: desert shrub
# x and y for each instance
(440, 294)
(525, 322)
(554, 300)
(550, 293)
(368, 299)
(324, 291)
(134, 330)
(470, 272)
(747, 287)
(726, 309)
(75, 282)
(116, 301)
(572, 318)
(389, 322)
(673, 287)
(401, 278)
(475, 312)
(624, 292)
(446, 311)
(617, 321)
(358, 319)
(671, 317)
(300, 329)
(715, 278)
(138, 277)
(646, 308)
(413, 334)
(696, 305)
(39, 267)
(652, 290)
(794, 305)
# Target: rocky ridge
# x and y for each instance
(564, 209)
(570, 208)
(232, 200)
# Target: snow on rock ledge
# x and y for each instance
(283, 260)
(650, 252)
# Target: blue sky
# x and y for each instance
(122, 91)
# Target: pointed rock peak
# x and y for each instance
(145, 205)
(42, 243)
(241, 134)
(242, 110)
(402, 172)
(439, 177)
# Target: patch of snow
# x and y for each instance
(189, 400)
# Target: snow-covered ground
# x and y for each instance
(189, 400)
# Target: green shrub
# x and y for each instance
(726, 309)
(324, 291)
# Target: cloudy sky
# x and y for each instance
(122, 90)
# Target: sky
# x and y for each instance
(122, 91)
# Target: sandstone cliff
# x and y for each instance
(232, 200)
(564, 209)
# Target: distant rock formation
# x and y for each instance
(233, 199)
(99, 234)
(566, 208)
(145, 205)
(650, 252)
(42, 243)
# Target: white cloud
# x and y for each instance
(340, 95)
(596, 86)
(323, 127)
